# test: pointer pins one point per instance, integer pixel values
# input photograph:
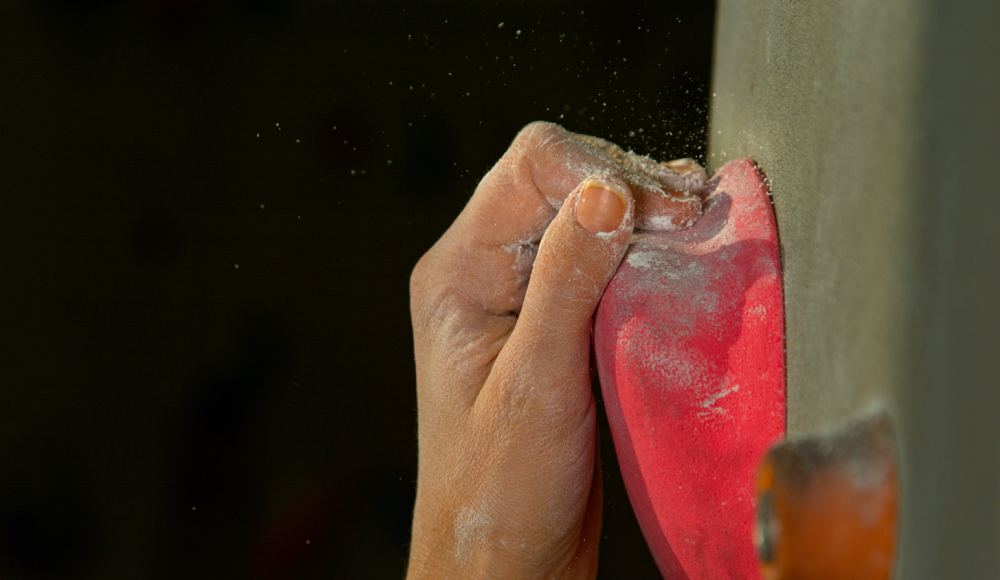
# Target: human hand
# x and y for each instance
(509, 482)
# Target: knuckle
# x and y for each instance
(535, 135)
(531, 130)
(433, 280)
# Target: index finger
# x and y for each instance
(521, 194)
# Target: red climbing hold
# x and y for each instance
(690, 348)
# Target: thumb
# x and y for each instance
(577, 257)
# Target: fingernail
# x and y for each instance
(682, 166)
(601, 207)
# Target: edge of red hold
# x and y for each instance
(690, 348)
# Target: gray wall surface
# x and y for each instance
(876, 124)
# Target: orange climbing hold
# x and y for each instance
(828, 506)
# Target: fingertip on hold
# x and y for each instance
(668, 211)
(685, 174)
(683, 165)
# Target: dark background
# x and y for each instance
(210, 211)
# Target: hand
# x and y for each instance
(509, 482)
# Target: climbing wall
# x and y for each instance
(877, 124)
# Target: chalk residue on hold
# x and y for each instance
(643, 259)
(663, 265)
(676, 368)
(709, 403)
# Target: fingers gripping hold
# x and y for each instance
(518, 199)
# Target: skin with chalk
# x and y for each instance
(509, 481)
